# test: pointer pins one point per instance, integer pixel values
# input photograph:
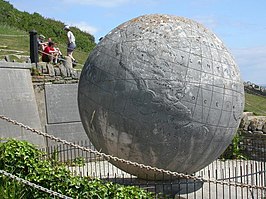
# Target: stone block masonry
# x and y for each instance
(62, 113)
(61, 102)
(17, 101)
(253, 124)
(44, 103)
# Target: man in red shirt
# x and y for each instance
(49, 52)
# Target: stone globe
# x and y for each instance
(163, 91)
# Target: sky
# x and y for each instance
(240, 24)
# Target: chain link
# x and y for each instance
(142, 166)
(26, 182)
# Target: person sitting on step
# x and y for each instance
(50, 54)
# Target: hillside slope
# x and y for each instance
(11, 17)
(255, 104)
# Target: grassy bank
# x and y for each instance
(255, 104)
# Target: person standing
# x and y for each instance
(71, 45)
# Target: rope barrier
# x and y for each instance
(135, 164)
(26, 182)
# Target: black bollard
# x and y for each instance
(34, 57)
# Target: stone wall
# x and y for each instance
(253, 133)
(17, 101)
(46, 103)
(62, 114)
(253, 124)
(58, 109)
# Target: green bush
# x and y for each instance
(24, 160)
(11, 189)
(235, 150)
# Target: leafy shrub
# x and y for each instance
(24, 160)
(11, 189)
(234, 150)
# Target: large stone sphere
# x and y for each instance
(163, 91)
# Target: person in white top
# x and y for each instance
(71, 45)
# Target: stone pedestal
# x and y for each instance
(18, 102)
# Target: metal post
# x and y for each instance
(34, 57)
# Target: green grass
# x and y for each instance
(255, 104)
(13, 40)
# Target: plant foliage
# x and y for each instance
(235, 149)
(23, 160)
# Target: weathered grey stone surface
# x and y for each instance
(75, 74)
(17, 101)
(42, 67)
(63, 70)
(57, 71)
(264, 128)
(68, 62)
(163, 91)
(252, 126)
(243, 124)
(73, 132)
(63, 118)
(61, 102)
(253, 123)
(50, 69)
(257, 122)
(41, 103)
